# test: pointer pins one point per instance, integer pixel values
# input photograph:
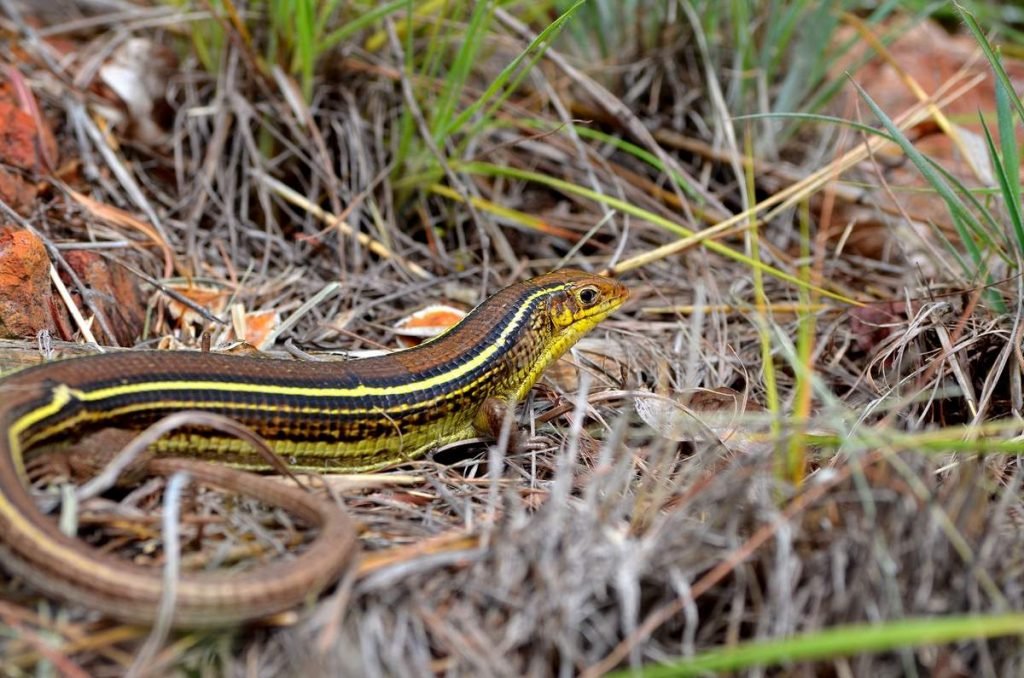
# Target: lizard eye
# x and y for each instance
(588, 296)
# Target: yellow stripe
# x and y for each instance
(361, 391)
(60, 397)
(55, 406)
(62, 394)
(150, 405)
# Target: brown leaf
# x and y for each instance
(118, 217)
(213, 299)
(252, 327)
(426, 323)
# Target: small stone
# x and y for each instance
(26, 297)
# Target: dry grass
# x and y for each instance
(615, 544)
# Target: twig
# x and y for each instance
(366, 241)
(83, 326)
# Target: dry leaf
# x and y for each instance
(426, 323)
(213, 299)
(253, 327)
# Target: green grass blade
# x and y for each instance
(990, 54)
(808, 60)
(927, 169)
(543, 38)
(364, 20)
(1010, 167)
(406, 123)
(632, 149)
(487, 169)
(841, 641)
(994, 230)
(324, 16)
(304, 59)
(818, 117)
(962, 217)
(1005, 183)
(458, 73)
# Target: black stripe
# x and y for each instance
(336, 374)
